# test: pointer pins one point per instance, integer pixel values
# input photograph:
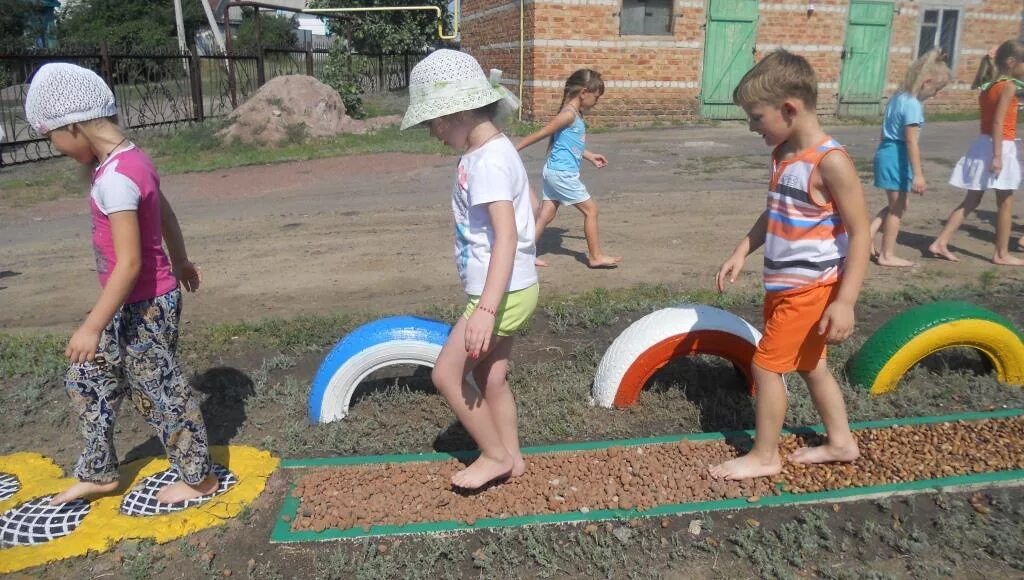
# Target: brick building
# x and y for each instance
(675, 60)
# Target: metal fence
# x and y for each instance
(165, 88)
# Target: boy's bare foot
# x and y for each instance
(604, 261)
(483, 471)
(180, 491)
(826, 453)
(518, 466)
(747, 467)
(83, 489)
(941, 251)
(893, 262)
(1007, 261)
(539, 262)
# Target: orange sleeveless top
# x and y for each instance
(988, 99)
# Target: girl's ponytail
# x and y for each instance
(997, 63)
(583, 79)
(987, 72)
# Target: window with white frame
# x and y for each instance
(939, 28)
(651, 17)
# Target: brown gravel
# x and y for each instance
(913, 453)
(643, 477)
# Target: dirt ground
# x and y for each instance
(374, 232)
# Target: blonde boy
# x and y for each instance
(817, 247)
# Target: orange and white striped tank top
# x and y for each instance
(806, 242)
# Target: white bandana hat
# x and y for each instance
(450, 81)
(62, 94)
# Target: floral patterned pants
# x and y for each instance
(137, 357)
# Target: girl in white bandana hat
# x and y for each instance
(494, 254)
(127, 344)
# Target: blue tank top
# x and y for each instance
(567, 148)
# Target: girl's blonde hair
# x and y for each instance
(995, 65)
(931, 65)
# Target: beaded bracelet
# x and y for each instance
(490, 311)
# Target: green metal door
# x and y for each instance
(728, 54)
(865, 56)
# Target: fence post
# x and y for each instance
(261, 73)
(108, 77)
(309, 58)
(380, 73)
(406, 58)
(196, 79)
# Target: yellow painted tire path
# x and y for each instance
(105, 525)
(908, 338)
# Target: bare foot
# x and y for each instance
(83, 489)
(826, 453)
(539, 262)
(180, 491)
(518, 466)
(483, 471)
(604, 261)
(893, 262)
(941, 251)
(1007, 261)
(747, 467)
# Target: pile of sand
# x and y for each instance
(294, 108)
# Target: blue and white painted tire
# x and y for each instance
(389, 341)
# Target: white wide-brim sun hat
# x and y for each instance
(450, 81)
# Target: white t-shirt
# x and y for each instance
(494, 172)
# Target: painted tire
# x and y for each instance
(908, 338)
(382, 343)
(654, 340)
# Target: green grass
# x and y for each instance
(176, 153)
(28, 185)
(603, 307)
(689, 395)
(950, 116)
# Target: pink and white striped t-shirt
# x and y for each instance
(127, 181)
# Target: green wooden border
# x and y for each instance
(282, 532)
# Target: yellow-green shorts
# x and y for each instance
(514, 311)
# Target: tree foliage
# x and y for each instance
(387, 32)
(275, 31)
(16, 23)
(139, 24)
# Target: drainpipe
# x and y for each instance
(522, 52)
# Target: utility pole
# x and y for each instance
(213, 25)
(180, 24)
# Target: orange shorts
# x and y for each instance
(791, 341)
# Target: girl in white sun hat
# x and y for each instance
(127, 344)
(494, 254)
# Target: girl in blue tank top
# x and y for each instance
(566, 150)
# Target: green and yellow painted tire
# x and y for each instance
(908, 338)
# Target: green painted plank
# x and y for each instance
(283, 534)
